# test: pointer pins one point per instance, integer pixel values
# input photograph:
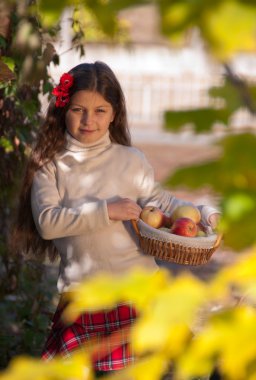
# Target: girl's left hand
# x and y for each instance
(214, 220)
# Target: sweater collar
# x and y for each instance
(74, 145)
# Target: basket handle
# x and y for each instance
(135, 226)
(218, 240)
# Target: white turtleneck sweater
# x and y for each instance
(69, 204)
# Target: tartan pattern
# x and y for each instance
(103, 334)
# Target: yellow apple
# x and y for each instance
(187, 211)
(201, 233)
(201, 230)
(153, 216)
(165, 229)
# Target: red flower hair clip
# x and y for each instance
(62, 90)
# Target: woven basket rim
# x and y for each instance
(203, 242)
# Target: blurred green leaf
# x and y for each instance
(234, 170)
(51, 11)
(238, 220)
(6, 144)
(201, 118)
(226, 100)
(105, 14)
(195, 176)
(9, 62)
(47, 87)
(227, 95)
(30, 108)
(3, 42)
(238, 204)
(6, 75)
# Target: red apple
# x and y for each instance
(187, 211)
(153, 216)
(184, 227)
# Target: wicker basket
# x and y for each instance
(174, 248)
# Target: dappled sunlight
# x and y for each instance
(138, 178)
(74, 267)
(86, 262)
(88, 180)
(78, 157)
(70, 251)
(147, 183)
(64, 167)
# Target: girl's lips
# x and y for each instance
(87, 130)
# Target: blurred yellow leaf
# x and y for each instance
(25, 368)
(104, 291)
(175, 16)
(50, 11)
(230, 27)
(241, 275)
(151, 368)
(170, 316)
(230, 337)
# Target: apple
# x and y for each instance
(201, 233)
(165, 229)
(184, 227)
(187, 211)
(201, 230)
(153, 216)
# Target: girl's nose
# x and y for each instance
(87, 118)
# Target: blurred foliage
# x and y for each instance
(25, 53)
(207, 326)
(224, 101)
(215, 19)
(164, 333)
(25, 311)
(26, 368)
(233, 177)
(28, 30)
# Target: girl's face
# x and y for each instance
(89, 116)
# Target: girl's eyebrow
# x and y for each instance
(99, 106)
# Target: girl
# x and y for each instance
(84, 183)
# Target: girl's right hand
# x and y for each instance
(123, 209)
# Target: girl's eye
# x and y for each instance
(100, 110)
(77, 109)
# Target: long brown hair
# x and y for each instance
(97, 77)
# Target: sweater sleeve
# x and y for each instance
(153, 194)
(52, 219)
(206, 212)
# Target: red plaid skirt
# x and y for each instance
(107, 333)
